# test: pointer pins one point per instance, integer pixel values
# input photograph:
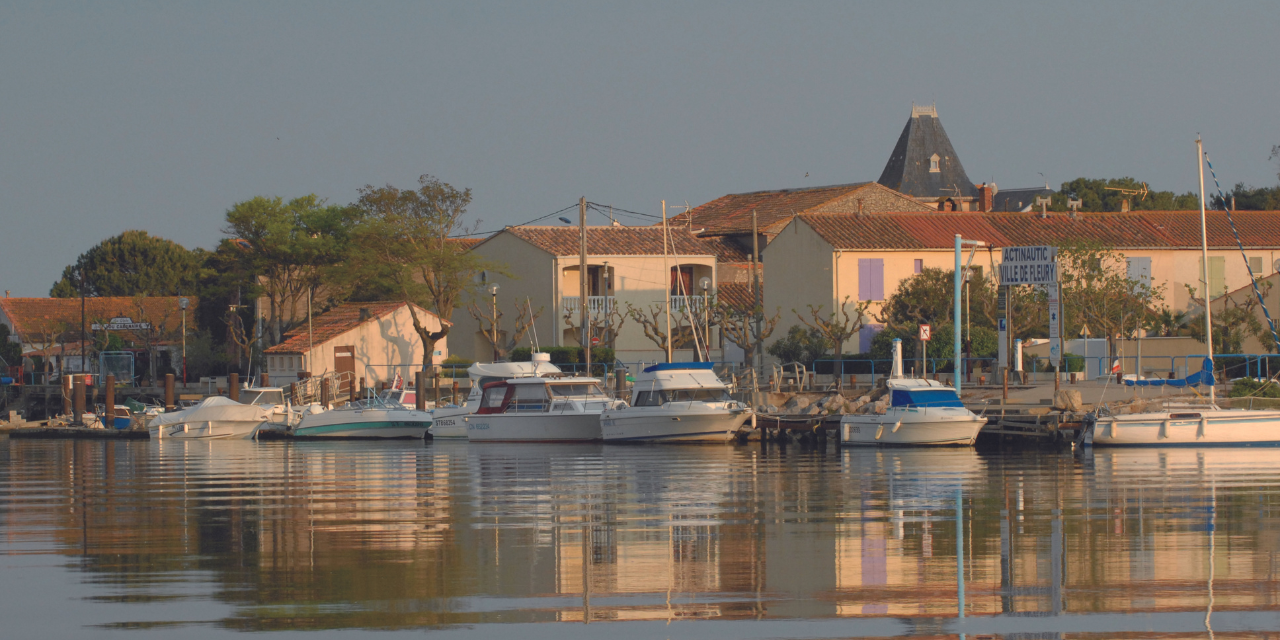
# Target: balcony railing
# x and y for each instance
(680, 303)
(595, 304)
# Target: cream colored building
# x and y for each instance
(626, 267)
(821, 259)
(370, 340)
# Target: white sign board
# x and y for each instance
(926, 332)
(1055, 343)
(121, 324)
(1053, 293)
(1028, 265)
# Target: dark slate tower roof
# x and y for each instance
(911, 169)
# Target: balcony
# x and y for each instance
(680, 303)
(595, 304)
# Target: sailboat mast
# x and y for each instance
(1204, 260)
(666, 285)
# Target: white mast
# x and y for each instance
(1204, 261)
(666, 285)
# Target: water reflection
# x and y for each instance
(372, 535)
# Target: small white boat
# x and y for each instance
(539, 410)
(921, 412)
(218, 418)
(447, 422)
(676, 402)
(1186, 425)
(374, 418)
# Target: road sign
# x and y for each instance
(1029, 265)
(925, 332)
(1055, 353)
(595, 341)
(1054, 294)
(120, 324)
(1053, 321)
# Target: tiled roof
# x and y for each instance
(466, 243)
(1135, 229)
(736, 295)
(909, 167)
(627, 241)
(38, 319)
(732, 213)
(334, 323)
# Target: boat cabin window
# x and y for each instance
(662, 396)
(925, 398)
(270, 396)
(493, 398)
(529, 398)
(590, 390)
(648, 399)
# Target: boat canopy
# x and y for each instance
(677, 366)
(926, 398)
(1202, 377)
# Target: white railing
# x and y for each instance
(595, 304)
(680, 303)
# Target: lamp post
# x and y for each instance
(705, 283)
(493, 327)
(182, 304)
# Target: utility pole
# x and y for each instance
(153, 374)
(583, 333)
(666, 286)
(755, 289)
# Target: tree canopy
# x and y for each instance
(132, 263)
(1095, 196)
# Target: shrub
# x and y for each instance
(800, 345)
(1255, 388)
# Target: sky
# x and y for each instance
(160, 116)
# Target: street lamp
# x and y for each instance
(705, 283)
(182, 304)
(493, 326)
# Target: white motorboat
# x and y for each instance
(217, 417)
(676, 402)
(372, 418)
(447, 422)
(539, 410)
(921, 412)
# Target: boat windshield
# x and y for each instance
(575, 390)
(926, 398)
(266, 396)
(660, 397)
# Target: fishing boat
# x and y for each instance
(447, 421)
(539, 410)
(220, 418)
(920, 412)
(375, 417)
(676, 402)
(1182, 423)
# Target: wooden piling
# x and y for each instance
(109, 419)
(620, 383)
(77, 402)
(324, 393)
(68, 390)
(419, 390)
(168, 392)
(453, 399)
(435, 380)
(266, 380)
(1005, 382)
(361, 386)
(233, 387)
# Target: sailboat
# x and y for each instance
(1187, 424)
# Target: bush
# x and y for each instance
(1255, 388)
(848, 363)
(986, 344)
(564, 355)
(800, 345)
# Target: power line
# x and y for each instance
(540, 219)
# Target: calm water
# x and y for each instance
(554, 541)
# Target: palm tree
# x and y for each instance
(1168, 323)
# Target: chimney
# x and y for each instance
(986, 196)
(364, 314)
(860, 207)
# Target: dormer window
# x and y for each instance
(933, 164)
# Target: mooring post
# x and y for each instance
(419, 390)
(109, 393)
(168, 392)
(68, 390)
(77, 402)
(266, 380)
(620, 382)
(436, 383)
(1006, 384)
(453, 398)
(233, 386)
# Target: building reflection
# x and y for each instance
(408, 535)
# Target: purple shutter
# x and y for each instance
(877, 279)
(919, 265)
(864, 279)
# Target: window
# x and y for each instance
(529, 398)
(870, 279)
(1217, 275)
(933, 164)
(919, 265)
(1255, 265)
(649, 399)
(1140, 272)
(493, 397)
(576, 390)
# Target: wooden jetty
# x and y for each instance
(77, 433)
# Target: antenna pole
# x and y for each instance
(1204, 261)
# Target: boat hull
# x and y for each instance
(924, 427)
(449, 423)
(209, 430)
(1224, 427)
(365, 424)
(529, 427)
(639, 424)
